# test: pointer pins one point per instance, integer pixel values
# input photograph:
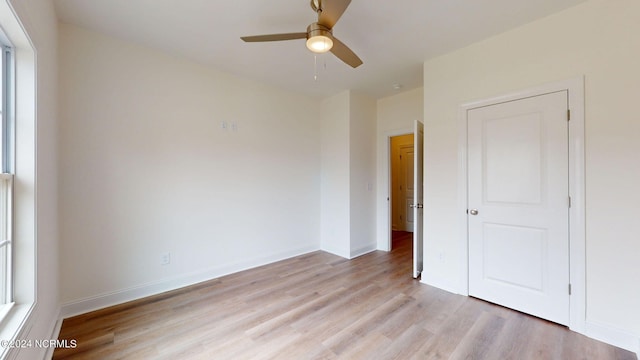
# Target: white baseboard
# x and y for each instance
(363, 250)
(441, 285)
(137, 292)
(336, 252)
(55, 333)
(612, 336)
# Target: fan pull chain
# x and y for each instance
(315, 67)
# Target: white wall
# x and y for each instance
(598, 40)
(36, 219)
(395, 116)
(348, 174)
(362, 147)
(146, 169)
(335, 174)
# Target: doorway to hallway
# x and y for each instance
(406, 192)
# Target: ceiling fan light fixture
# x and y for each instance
(319, 38)
(319, 44)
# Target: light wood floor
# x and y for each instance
(319, 306)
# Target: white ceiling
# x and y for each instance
(393, 38)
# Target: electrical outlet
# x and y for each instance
(165, 259)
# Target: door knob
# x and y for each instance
(473, 212)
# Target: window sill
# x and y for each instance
(12, 325)
(4, 311)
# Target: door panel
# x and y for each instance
(407, 156)
(418, 143)
(513, 159)
(518, 183)
(514, 255)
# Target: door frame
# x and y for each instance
(387, 177)
(418, 198)
(577, 241)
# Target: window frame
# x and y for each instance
(7, 81)
(21, 318)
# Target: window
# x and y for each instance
(18, 248)
(6, 174)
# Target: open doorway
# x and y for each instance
(402, 188)
(406, 191)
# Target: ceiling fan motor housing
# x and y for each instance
(316, 29)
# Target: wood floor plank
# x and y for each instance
(480, 338)
(407, 343)
(513, 340)
(321, 306)
(452, 332)
(369, 346)
(342, 312)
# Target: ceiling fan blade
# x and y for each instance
(332, 10)
(345, 54)
(275, 37)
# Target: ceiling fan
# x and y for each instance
(319, 34)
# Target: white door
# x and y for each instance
(407, 165)
(519, 205)
(418, 146)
